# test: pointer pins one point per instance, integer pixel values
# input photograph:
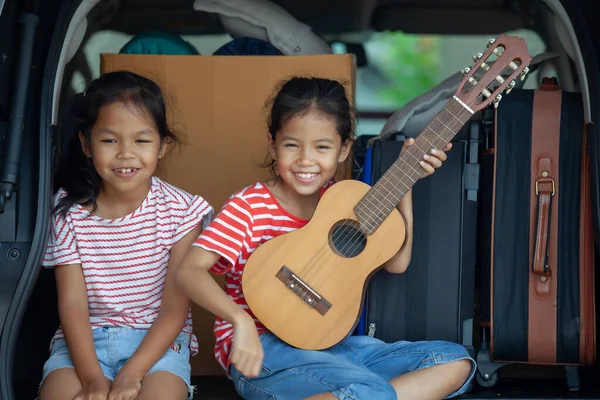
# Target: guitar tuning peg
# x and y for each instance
(497, 100)
(477, 57)
(491, 42)
(524, 73)
(511, 86)
(465, 71)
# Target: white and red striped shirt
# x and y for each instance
(249, 218)
(124, 261)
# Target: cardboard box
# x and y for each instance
(217, 103)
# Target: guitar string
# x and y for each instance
(308, 273)
(402, 181)
(436, 144)
(439, 138)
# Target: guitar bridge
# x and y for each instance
(303, 290)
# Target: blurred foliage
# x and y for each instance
(410, 62)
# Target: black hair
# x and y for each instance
(76, 174)
(298, 96)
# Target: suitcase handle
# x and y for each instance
(545, 189)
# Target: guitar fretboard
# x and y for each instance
(381, 199)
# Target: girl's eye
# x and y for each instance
(144, 141)
(109, 141)
(323, 147)
(290, 145)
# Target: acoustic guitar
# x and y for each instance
(307, 286)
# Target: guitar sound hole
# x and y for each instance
(346, 239)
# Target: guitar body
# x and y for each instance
(307, 286)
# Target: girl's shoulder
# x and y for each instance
(257, 191)
(60, 193)
(247, 198)
(58, 196)
(171, 201)
(171, 194)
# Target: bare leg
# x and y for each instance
(432, 383)
(61, 384)
(162, 385)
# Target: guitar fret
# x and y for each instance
(374, 204)
(390, 191)
(410, 154)
(452, 115)
(406, 186)
(442, 122)
(364, 218)
(407, 175)
(410, 166)
(425, 139)
(436, 133)
(423, 149)
(400, 181)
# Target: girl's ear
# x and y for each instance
(346, 146)
(162, 150)
(272, 151)
(85, 145)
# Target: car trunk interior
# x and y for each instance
(339, 21)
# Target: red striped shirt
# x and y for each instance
(124, 261)
(249, 218)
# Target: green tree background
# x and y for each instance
(410, 62)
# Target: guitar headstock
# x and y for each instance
(505, 60)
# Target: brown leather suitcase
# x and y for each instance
(541, 257)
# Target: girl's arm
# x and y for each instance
(75, 323)
(399, 263)
(195, 280)
(168, 324)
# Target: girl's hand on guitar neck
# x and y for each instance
(246, 351)
(432, 160)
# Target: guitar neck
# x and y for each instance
(385, 195)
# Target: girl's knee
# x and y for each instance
(457, 373)
(462, 368)
(60, 383)
(163, 385)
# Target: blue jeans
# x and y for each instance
(357, 368)
(114, 346)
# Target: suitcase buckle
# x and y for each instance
(542, 181)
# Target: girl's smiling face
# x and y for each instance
(124, 146)
(307, 150)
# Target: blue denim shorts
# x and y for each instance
(114, 346)
(360, 367)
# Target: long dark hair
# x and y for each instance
(76, 174)
(298, 96)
